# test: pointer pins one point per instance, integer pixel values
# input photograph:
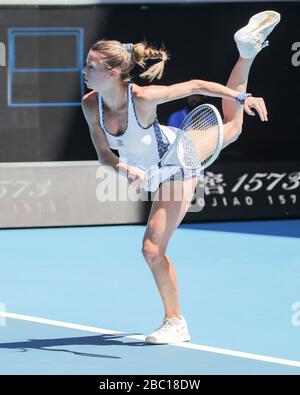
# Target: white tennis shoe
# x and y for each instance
(251, 39)
(172, 330)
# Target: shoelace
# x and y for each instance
(257, 42)
(165, 326)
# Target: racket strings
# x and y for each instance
(201, 120)
(191, 156)
(200, 140)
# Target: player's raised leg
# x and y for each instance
(250, 40)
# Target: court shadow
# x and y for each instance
(99, 340)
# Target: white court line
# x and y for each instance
(215, 350)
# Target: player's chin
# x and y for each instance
(88, 85)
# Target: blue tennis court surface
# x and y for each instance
(238, 284)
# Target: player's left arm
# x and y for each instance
(159, 94)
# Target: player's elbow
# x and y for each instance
(235, 136)
(104, 157)
(196, 86)
(201, 87)
(237, 133)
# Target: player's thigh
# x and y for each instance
(170, 204)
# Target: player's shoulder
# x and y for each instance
(137, 91)
(89, 99)
(142, 94)
(89, 104)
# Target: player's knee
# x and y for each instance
(238, 132)
(151, 253)
(235, 129)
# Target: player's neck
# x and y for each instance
(116, 98)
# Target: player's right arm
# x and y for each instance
(105, 156)
(90, 111)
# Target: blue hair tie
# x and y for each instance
(128, 47)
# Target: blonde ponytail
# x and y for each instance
(142, 53)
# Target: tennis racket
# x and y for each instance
(197, 145)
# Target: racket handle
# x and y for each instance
(156, 175)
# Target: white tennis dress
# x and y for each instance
(142, 147)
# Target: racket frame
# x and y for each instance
(152, 171)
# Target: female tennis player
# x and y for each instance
(122, 116)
